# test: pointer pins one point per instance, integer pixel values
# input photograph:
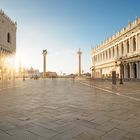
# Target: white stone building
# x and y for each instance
(121, 49)
(7, 46)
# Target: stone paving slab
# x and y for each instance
(114, 134)
(130, 88)
(64, 109)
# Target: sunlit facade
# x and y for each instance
(7, 46)
(120, 50)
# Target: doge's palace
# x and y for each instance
(7, 46)
(120, 50)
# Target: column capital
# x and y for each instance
(79, 52)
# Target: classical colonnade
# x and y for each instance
(124, 47)
(131, 70)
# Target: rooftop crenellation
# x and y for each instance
(7, 17)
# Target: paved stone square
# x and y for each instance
(65, 109)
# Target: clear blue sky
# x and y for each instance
(63, 26)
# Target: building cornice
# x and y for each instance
(113, 39)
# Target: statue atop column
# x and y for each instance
(44, 62)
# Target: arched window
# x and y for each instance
(110, 53)
(113, 51)
(101, 56)
(106, 55)
(134, 44)
(127, 46)
(122, 48)
(117, 50)
(8, 37)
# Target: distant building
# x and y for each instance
(71, 75)
(31, 73)
(51, 74)
(36, 73)
(86, 74)
(120, 50)
(7, 46)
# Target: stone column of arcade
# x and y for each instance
(44, 63)
(79, 60)
(121, 72)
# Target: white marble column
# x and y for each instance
(138, 70)
(131, 70)
(125, 72)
